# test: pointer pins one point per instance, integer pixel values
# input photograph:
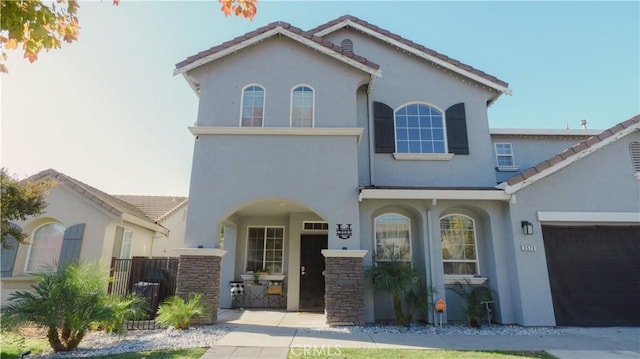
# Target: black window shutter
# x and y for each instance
(384, 128)
(457, 130)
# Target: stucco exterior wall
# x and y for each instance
(165, 245)
(278, 64)
(576, 188)
(251, 168)
(406, 78)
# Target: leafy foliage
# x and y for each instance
(394, 276)
(242, 8)
(474, 309)
(177, 312)
(418, 298)
(35, 26)
(20, 199)
(122, 309)
(66, 302)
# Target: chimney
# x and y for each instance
(583, 124)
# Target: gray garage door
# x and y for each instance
(594, 273)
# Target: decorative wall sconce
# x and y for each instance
(527, 227)
(344, 232)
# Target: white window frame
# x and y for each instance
(264, 248)
(32, 240)
(475, 244)
(313, 105)
(314, 222)
(129, 243)
(264, 103)
(510, 168)
(375, 236)
(444, 156)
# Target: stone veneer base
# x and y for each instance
(200, 274)
(344, 289)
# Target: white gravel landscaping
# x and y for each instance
(99, 343)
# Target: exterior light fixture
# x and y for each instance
(527, 227)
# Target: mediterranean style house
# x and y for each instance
(321, 150)
(81, 222)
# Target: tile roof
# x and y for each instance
(155, 207)
(113, 204)
(276, 25)
(568, 154)
(421, 48)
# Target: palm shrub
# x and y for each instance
(65, 302)
(177, 312)
(474, 309)
(418, 298)
(121, 309)
(393, 275)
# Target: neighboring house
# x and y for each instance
(319, 150)
(82, 222)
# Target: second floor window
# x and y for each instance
(252, 106)
(504, 155)
(302, 107)
(420, 129)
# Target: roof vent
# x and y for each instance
(634, 148)
(347, 45)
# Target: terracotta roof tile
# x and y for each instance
(574, 150)
(278, 24)
(409, 43)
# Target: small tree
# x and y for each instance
(66, 302)
(474, 308)
(393, 275)
(20, 199)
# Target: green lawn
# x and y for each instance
(353, 353)
(11, 345)
(161, 354)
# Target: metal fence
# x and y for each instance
(152, 278)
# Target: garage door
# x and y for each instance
(594, 273)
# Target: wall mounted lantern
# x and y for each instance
(527, 227)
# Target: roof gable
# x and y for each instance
(570, 155)
(413, 48)
(276, 28)
(151, 209)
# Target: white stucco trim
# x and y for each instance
(146, 224)
(423, 156)
(618, 217)
(568, 161)
(267, 34)
(345, 253)
(466, 194)
(277, 131)
(414, 51)
(542, 132)
(204, 252)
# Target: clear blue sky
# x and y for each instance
(108, 111)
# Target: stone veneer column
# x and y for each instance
(199, 272)
(344, 286)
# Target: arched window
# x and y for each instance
(393, 237)
(420, 128)
(458, 241)
(252, 106)
(302, 107)
(46, 243)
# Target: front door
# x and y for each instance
(311, 272)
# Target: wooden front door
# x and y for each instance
(311, 272)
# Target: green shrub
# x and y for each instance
(121, 309)
(65, 301)
(474, 309)
(178, 313)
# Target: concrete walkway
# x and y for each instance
(270, 334)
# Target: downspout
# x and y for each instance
(429, 233)
(371, 134)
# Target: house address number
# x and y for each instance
(528, 248)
